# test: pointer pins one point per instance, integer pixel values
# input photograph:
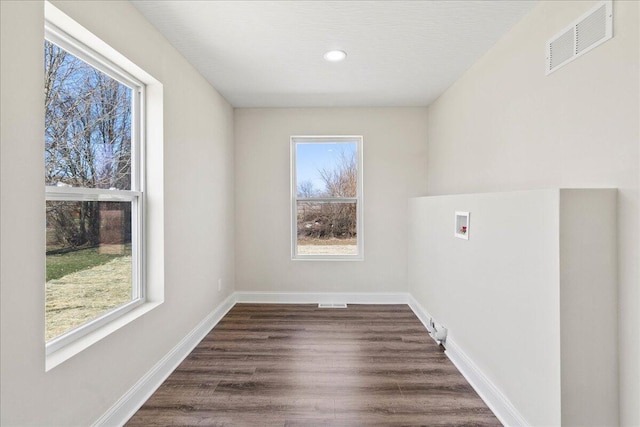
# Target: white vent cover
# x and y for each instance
(590, 30)
(330, 305)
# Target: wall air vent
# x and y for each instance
(590, 30)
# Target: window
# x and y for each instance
(94, 170)
(326, 201)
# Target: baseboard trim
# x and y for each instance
(492, 396)
(488, 392)
(419, 311)
(422, 315)
(135, 397)
(322, 297)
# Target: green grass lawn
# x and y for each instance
(59, 265)
(79, 297)
(84, 284)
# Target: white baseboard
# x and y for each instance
(492, 396)
(133, 399)
(322, 297)
(488, 392)
(419, 311)
(422, 315)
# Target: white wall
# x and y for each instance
(518, 297)
(498, 292)
(199, 220)
(506, 126)
(588, 307)
(394, 159)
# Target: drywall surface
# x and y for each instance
(394, 158)
(498, 292)
(588, 307)
(526, 296)
(505, 125)
(198, 213)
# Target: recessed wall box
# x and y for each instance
(462, 225)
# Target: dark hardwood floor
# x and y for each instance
(295, 365)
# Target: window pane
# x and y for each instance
(327, 169)
(88, 262)
(87, 124)
(327, 228)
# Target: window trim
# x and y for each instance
(136, 195)
(358, 200)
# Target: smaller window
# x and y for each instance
(326, 197)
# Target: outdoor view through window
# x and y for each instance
(327, 197)
(91, 199)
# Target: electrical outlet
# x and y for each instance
(219, 284)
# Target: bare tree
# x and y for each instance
(87, 140)
(342, 180)
(333, 219)
(305, 189)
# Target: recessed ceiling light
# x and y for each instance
(335, 55)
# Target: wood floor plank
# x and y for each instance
(298, 365)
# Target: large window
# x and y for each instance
(94, 189)
(326, 201)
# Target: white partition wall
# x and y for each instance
(529, 299)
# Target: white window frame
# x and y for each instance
(136, 196)
(358, 200)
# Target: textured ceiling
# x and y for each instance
(270, 53)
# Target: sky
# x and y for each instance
(80, 99)
(311, 157)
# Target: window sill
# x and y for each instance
(68, 351)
